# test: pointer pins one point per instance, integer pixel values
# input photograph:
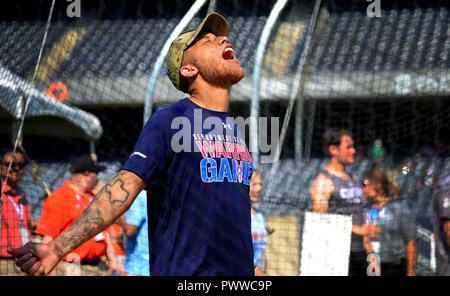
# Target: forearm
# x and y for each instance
(411, 256)
(108, 205)
(367, 243)
(447, 231)
(358, 230)
(110, 249)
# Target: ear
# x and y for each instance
(332, 149)
(188, 71)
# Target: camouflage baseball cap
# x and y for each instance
(213, 23)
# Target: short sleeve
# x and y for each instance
(136, 214)
(151, 150)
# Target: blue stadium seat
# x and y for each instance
(414, 39)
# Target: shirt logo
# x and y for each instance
(139, 154)
(353, 194)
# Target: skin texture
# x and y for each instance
(210, 75)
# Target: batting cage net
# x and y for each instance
(81, 78)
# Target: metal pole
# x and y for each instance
(162, 55)
(294, 93)
(212, 6)
(254, 109)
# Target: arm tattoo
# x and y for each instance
(89, 224)
(115, 191)
(106, 207)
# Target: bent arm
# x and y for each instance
(108, 205)
(321, 190)
(411, 255)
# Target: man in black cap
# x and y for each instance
(64, 206)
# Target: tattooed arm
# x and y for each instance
(108, 205)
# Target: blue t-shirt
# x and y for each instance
(137, 248)
(198, 169)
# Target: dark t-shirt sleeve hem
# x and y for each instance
(140, 175)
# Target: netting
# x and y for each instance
(325, 64)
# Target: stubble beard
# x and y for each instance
(225, 76)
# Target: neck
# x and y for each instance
(336, 166)
(76, 185)
(211, 97)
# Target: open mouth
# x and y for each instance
(228, 54)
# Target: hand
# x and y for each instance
(371, 230)
(36, 259)
(260, 272)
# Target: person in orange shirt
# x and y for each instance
(63, 207)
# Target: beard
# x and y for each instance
(222, 74)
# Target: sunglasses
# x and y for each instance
(15, 165)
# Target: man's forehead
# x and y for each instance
(200, 36)
(346, 139)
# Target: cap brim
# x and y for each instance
(212, 23)
(99, 168)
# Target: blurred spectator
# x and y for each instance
(63, 207)
(424, 192)
(378, 151)
(441, 225)
(15, 218)
(136, 231)
(336, 191)
(115, 234)
(258, 224)
(396, 243)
